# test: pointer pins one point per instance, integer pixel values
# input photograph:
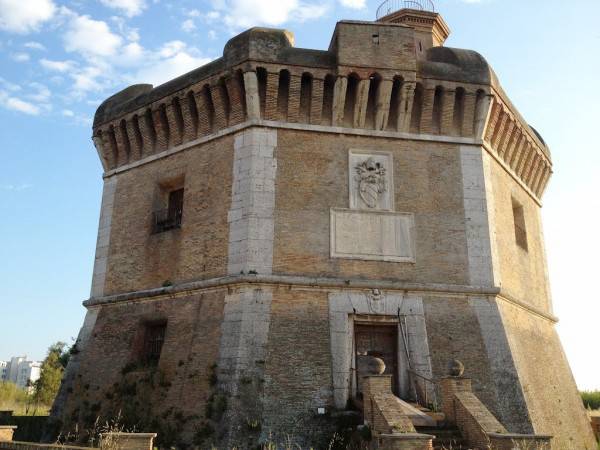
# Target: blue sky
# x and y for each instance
(60, 58)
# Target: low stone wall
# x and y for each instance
(108, 441)
(475, 421)
(6, 432)
(596, 425)
(519, 442)
(29, 428)
(379, 409)
(478, 425)
(18, 445)
(404, 441)
(127, 441)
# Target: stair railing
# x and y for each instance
(421, 384)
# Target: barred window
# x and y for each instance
(520, 229)
(154, 337)
(170, 218)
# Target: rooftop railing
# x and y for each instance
(391, 6)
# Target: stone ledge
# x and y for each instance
(406, 436)
(530, 437)
(405, 441)
(291, 280)
(310, 282)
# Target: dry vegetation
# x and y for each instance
(22, 403)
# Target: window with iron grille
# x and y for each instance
(169, 218)
(154, 337)
(520, 229)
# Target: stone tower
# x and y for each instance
(271, 217)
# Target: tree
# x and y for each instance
(51, 373)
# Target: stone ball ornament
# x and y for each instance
(376, 366)
(456, 368)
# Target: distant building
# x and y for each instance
(20, 371)
(3, 365)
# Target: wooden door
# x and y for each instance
(380, 341)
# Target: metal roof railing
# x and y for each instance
(391, 6)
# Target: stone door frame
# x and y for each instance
(376, 306)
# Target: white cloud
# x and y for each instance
(7, 85)
(24, 16)
(91, 37)
(188, 25)
(16, 187)
(40, 93)
(354, 4)
(88, 79)
(57, 66)
(133, 35)
(129, 7)
(34, 45)
(68, 113)
(246, 13)
(131, 54)
(171, 60)
(16, 104)
(20, 57)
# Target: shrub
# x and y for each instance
(591, 399)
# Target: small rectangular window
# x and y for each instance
(170, 217)
(154, 337)
(520, 229)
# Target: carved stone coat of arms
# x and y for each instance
(371, 181)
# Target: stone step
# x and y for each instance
(419, 407)
(446, 438)
(451, 446)
(439, 431)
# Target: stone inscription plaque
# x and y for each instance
(372, 235)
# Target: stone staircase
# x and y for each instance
(446, 437)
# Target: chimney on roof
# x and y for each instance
(430, 28)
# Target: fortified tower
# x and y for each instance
(274, 216)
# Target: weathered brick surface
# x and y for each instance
(298, 366)
(139, 259)
(553, 402)
(235, 91)
(271, 96)
(595, 420)
(111, 378)
(469, 118)
(380, 408)
(313, 177)
(316, 104)
(523, 272)
(447, 319)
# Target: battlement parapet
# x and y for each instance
(369, 79)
